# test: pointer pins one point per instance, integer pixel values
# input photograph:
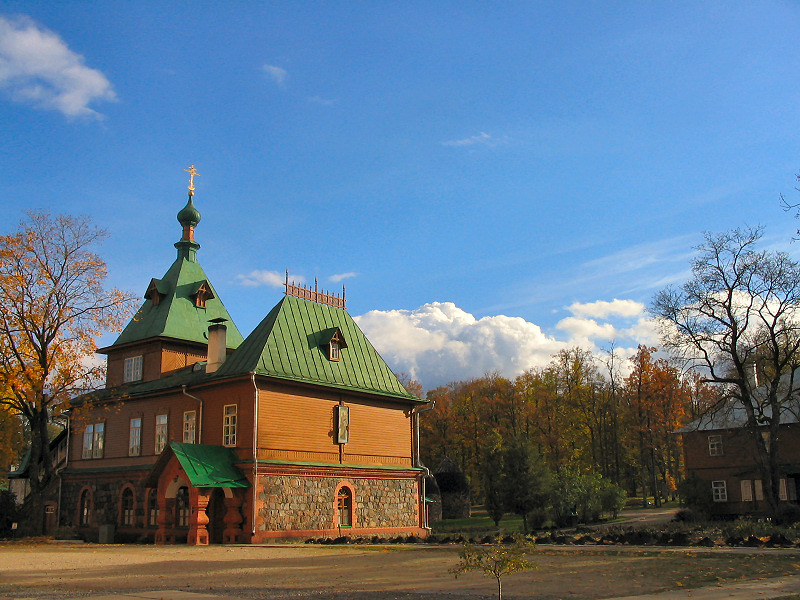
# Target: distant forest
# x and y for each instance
(578, 414)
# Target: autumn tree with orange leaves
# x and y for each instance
(54, 305)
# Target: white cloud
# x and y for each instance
(277, 74)
(602, 308)
(439, 342)
(37, 67)
(482, 138)
(258, 278)
(342, 276)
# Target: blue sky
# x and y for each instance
(491, 181)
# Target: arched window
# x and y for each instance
(182, 508)
(152, 508)
(127, 508)
(344, 507)
(85, 508)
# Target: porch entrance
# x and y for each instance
(216, 516)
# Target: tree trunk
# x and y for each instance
(40, 472)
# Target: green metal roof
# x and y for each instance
(209, 466)
(176, 315)
(289, 344)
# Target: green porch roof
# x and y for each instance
(290, 344)
(176, 315)
(209, 466)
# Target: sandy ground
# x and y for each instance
(56, 571)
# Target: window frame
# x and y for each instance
(132, 369)
(183, 507)
(153, 510)
(127, 507)
(189, 427)
(719, 490)
(715, 447)
(85, 507)
(229, 425)
(135, 437)
(93, 441)
(344, 507)
(161, 432)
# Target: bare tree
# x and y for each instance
(737, 317)
(54, 305)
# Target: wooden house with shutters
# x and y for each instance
(719, 449)
(202, 436)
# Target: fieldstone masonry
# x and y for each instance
(305, 503)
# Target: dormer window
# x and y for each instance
(202, 294)
(333, 341)
(153, 293)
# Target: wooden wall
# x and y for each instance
(297, 424)
(116, 418)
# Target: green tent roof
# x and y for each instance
(209, 466)
(176, 315)
(290, 344)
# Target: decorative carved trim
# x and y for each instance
(315, 295)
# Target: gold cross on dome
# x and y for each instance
(192, 172)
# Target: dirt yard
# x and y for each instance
(55, 571)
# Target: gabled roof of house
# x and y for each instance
(732, 415)
(290, 344)
(176, 314)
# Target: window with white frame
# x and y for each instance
(719, 491)
(152, 509)
(747, 490)
(135, 437)
(229, 425)
(162, 431)
(93, 440)
(189, 426)
(127, 505)
(133, 369)
(715, 445)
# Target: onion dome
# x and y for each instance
(189, 216)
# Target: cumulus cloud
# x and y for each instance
(37, 67)
(342, 276)
(261, 277)
(603, 309)
(277, 74)
(440, 342)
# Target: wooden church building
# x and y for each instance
(200, 436)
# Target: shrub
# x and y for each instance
(9, 512)
(695, 493)
(788, 514)
(688, 515)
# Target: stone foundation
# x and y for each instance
(306, 504)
